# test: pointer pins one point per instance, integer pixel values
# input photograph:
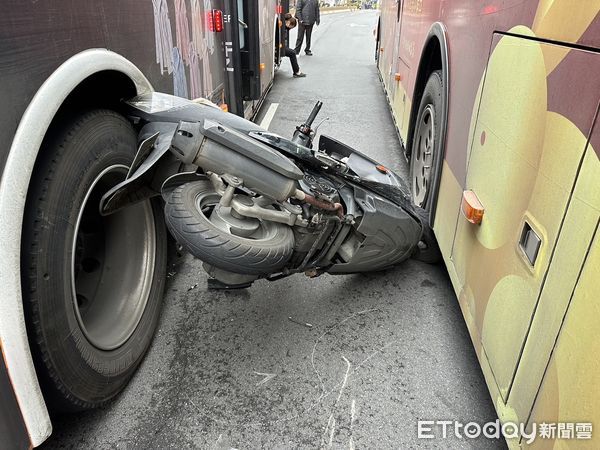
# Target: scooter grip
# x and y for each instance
(313, 113)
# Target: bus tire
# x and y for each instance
(425, 157)
(427, 249)
(92, 285)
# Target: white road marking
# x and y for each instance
(266, 121)
(331, 428)
(331, 421)
(267, 377)
(352, 416)
(327, 331)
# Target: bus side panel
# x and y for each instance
(569, 392)
(403, 29)
(559, 21)
(522, 166)
(469, 27)
(577, 233)
(177, 55)
(386, 30)
(385, 60)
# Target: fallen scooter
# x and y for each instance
(251, 204)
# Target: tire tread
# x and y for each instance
(218, 248)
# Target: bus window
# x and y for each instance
(242, 24)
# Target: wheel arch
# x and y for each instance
(433, 57)
(95, 75)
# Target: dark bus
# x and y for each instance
(81, 294)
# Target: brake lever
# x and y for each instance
(319, 124)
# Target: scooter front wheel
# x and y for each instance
(249, 246)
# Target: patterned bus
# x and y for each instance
(496, 106)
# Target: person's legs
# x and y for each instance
(293, 59)
(300, 37)
(309, 29)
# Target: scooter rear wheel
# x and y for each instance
(188, 215)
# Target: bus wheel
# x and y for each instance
(425, 157)
(92, 285)
(427, 249)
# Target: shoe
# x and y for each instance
(308, 52)
(299, 75)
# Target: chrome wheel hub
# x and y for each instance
(112, 265)
(422, 158)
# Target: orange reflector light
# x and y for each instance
(261, 66)
(280, 45)
(224, 107)
(382, 169)
(381, 49)
(397, 76)
(471, 207)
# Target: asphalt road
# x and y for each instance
(230, 370)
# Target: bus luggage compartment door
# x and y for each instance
(564, 330)
(536, 111)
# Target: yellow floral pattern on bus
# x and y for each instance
(535, 154)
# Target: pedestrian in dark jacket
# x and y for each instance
(290, 23)
(307, 13)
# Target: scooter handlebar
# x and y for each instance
(313, 113)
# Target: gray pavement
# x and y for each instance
(230, 370)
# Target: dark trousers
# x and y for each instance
(292, 55)
(301, 30)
